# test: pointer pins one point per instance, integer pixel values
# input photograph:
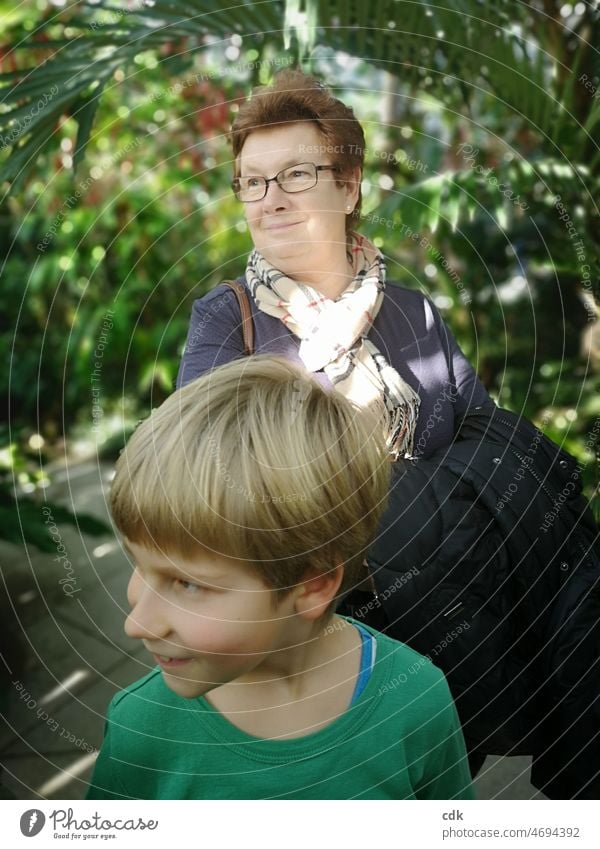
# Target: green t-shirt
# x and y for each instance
(400, 740)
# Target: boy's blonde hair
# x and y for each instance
(255, 460)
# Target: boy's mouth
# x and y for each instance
(168, 662)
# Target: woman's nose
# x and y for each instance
(275, 198)
(148, 618)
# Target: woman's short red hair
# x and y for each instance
(295, 96)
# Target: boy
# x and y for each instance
(247, 502)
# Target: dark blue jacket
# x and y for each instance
(408, 330)
(488, 561)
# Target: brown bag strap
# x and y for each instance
(246, 313)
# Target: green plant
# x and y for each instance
(458, 98)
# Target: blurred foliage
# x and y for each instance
(102, 263)
(21, 519)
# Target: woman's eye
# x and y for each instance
(252, 182)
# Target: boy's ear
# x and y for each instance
(316, 592)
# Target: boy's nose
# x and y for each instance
(147, 619)
(143, 629)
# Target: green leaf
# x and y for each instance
(85, 118)
(23, 522)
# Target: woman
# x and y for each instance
(317, 288)
(318, 296)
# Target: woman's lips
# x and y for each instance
(282, 226)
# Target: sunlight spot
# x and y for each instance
(103, 550)
(65, 686)
(27, 597)
(61, 779)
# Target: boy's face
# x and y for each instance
(206, 621)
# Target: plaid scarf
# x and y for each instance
(334, 334)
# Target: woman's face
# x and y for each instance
(302, 232)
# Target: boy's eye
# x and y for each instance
(188, 587)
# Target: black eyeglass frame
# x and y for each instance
(235, 181)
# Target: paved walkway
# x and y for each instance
(69, 609)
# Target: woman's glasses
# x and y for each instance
(295, 178)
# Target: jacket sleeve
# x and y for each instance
(470, 390)
(215, 335)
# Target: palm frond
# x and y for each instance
(461, 51)
(457, 196)
(103, 38)
(492, 49)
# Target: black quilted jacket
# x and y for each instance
(487, 561)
